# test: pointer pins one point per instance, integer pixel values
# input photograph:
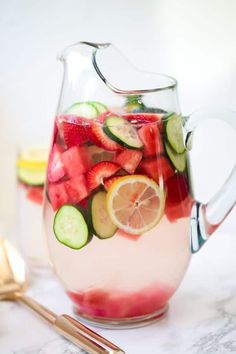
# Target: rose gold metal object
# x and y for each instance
(13, 282)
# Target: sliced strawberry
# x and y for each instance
(107, 182)
(57, 194)
(99, 138)
(157, 168)
(76, 161)
(55, 165)
(128, 159)
(99, 172)
(75, 130)
(151, 138)
(76, 189)
(35, 194)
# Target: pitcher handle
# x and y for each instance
(206, 218)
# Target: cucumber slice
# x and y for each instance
(70, 227)
(134, 104)
(83, 109)
(102, 225)
(31, 176)
(174, 133)
(100, 107)
(177, 160)
(123, 132)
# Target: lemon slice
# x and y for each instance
(33, 157)
(31, 165)
(135, 203)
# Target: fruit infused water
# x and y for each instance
(31, 175)
(117, 210)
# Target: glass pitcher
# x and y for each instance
(120, 219)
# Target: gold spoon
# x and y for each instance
(13, 282)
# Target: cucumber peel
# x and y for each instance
(174, 133)
(102, 225)
(83, 109)
(177, 160)
(70, 227)
(100, 107)
(123, 132)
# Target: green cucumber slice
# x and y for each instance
(70, 227)
(83, 109)
(174, 133)
(100, 107)
(177, 160)
(31, 176)
(102, 225)
(134, 104)
(123, 132)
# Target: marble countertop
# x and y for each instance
(201, 319)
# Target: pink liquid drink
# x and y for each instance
(120, 221)
(117, 211)
(31, 174)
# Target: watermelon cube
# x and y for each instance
(35, 194)
(157, 168)
(76, 161)
(152, 140)
(128, 159)
(58, 195)
(76, 189)
(55, 166)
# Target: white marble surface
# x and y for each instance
(201, 319)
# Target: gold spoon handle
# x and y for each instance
(83, 336)
(71, 329)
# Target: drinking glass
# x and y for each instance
(31, 164)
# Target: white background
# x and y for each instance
(192, 40)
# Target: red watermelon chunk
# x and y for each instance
(177, 189)
(118, 305)
(157, 168)
(177, 211)
(57, 194)
(76, 189)
(96, 301)
(151, 138)
(76, 161)
(35, 194)
(55, 165)
(178, 199)
(129, 159)
(121, 304)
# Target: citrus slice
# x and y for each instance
(35, 157)
(135, 203)
(31, 166)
